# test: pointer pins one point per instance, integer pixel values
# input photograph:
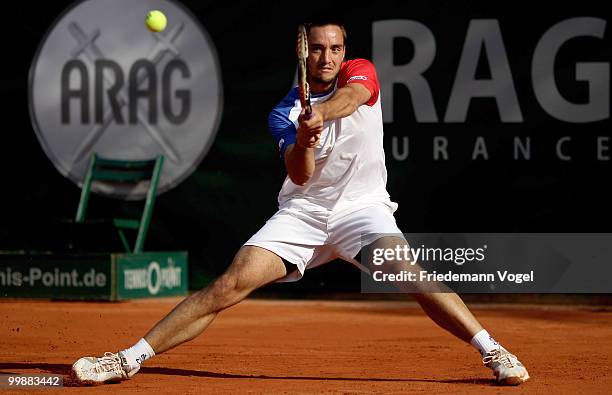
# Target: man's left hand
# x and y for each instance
(311, 126)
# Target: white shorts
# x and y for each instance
(309, 235)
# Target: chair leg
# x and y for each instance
(124, 240)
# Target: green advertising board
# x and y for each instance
(150, 274)
(93, 276)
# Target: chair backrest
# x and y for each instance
(124, 171)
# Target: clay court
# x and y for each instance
(264, 346)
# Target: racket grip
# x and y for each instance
(307, 111)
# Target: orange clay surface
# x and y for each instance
(265, 346)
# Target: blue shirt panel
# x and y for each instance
(282, 129)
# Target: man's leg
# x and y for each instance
(442, 305)
(447, 309)
(252, 268)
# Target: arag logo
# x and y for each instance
(102, 82)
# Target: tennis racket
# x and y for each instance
(302, 55)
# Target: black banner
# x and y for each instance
(497, 119)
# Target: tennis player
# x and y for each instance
(332, 203)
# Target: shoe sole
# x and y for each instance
(514, 380)
(75, 378)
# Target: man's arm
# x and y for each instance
(300, 164)
(344, 102)
(299, 157)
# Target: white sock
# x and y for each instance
(138, 353)
(484, 343)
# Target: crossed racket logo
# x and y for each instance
(86, 45)
(101, 82)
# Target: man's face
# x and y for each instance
(325, 55)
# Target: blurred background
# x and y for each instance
(232, 190)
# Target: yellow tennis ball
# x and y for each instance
(156, 21)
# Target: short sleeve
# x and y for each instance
(360, 71)
(282, 129)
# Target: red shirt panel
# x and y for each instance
(360, 71)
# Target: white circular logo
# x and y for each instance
(153, 268)
(101, 82)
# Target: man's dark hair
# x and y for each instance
(324, 21)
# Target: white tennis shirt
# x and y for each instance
(349, 158)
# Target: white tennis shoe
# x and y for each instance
(508, 370)
(109, 368)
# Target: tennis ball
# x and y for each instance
(156, 21)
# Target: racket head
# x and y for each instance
(302, 56)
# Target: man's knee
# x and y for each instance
(225, 285)
(226, 291)
(238, 279)
(251, 268)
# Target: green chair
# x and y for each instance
(125, 172)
